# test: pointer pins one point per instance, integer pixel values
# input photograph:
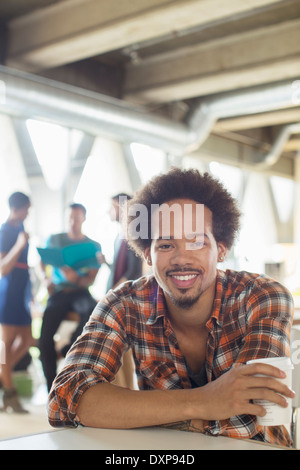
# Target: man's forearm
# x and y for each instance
(108, 406)
(87, 280)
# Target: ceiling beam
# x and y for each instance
(72, 30)
(250, 58)
(89, 75)
(293, 145)
(254, 121)
(227, 151)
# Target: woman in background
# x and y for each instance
(15, 296)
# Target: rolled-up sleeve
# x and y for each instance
(94, 358)
(266, 314)
(269, 314)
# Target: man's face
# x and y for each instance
(183, 267)
(21, 214)
(76, 219)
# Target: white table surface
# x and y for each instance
(133, 439)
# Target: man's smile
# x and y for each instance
(186, 277)
(183, 279)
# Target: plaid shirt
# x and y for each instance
(251, 319)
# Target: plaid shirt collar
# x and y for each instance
(158, 305)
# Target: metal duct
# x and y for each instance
(250, 101)
(29, 96)
(283, 137)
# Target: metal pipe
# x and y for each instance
(35, 97)
(241, 103)
(283, 137)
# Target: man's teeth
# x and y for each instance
(187, 277)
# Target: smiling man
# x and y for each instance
(191, 326)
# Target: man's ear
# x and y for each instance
(147, 255)
(222, 251)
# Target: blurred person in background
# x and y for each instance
(126, 265)
(68, 293)
(15, 296)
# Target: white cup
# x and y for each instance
(276, 415)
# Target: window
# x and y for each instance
(284, 192)
(54, 145)
(148, 160)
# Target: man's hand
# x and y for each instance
(70, 274)
(22, 240)
(101, 258)
(233, 392)
(80, 281)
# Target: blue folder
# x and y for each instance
(77, 256)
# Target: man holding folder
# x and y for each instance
(68, 289)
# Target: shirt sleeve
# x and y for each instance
(94, 358)
(269, 314)
(269, 318)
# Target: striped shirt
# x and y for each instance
(251, 319)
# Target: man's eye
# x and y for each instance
(199, 244)
(195, 245)
(165, 246)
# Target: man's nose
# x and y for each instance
(181, 255)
